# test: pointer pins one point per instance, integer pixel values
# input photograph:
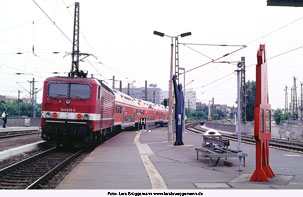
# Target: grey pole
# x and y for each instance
(239, 121)
(35, 103)
(33, 99)
(184, 114)
(146, 90)
(120, 86)
(18, 103)
(170, 115)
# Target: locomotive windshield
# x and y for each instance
(68, 90)
(58, 90)
(80, 91)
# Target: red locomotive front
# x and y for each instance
(75, 109)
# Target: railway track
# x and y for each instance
(32, 172)
(275, 143)
(8, 134)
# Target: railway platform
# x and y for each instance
(146, 160)
(14, 129)
(16, 140)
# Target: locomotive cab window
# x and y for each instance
(58, 90)
(67, 90)
(81, 91)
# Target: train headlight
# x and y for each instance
(86, 117)
(48, 115)
(55, 115)
(79, 116)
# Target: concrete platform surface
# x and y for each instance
(146, 160)
(13, 142)
(11, 129)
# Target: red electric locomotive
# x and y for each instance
(74, 109)
(77, 110)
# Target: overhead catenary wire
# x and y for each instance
(216, 59)
(93, 51)
(198, 52)
(248, 43)
(54, 23)
(276, 30)
(223, 82)
(250, 65)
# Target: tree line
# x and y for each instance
(26, 109)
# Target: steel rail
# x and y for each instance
(275, 143)
(31, 172)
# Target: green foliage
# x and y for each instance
(250, 99)
(203, 113)
(279, 117)
(26, 109)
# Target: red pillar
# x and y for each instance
(262, 127)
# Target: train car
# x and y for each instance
(76, 109)
(129, 112)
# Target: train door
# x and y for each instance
(102, 111)
(123, 114)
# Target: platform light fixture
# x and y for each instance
(170, 132)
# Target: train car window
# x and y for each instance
(81, 91)
(57, 90)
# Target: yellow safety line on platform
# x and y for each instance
(155, 178)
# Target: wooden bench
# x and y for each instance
(218, 153)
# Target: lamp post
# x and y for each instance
(170, 131)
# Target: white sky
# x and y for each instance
(120, 34)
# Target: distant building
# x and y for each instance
(200, 105)
(8, 98)
(190, 99)
(153, 93)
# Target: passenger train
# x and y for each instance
(77, 110)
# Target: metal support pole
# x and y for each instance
(170, 131)
(33, 98)
(146, 90)
(286, 99)
(239, 122)
(18, 103)
(35, 104)
(120, 85)
(128, 89)
(138, 124)
(184, 105)
(113, 82)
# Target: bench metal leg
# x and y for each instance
(197, 155)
